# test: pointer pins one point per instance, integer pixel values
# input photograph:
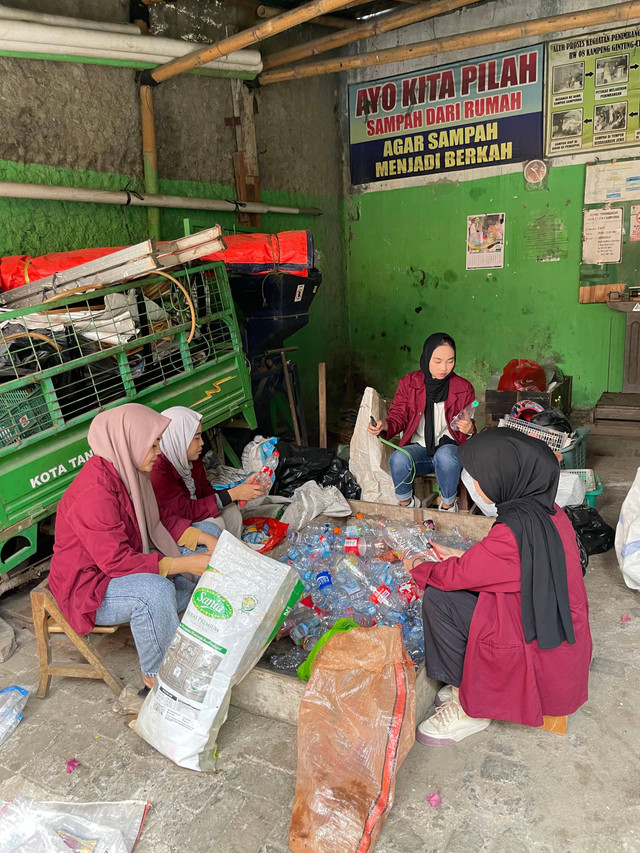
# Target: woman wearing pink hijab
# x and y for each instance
(116, 556)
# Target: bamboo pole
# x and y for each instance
(619, 14)
(322, 403)
(261, 31)
(331, 21)
(150, 157)
(392, 21)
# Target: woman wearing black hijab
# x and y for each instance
(506, 624)
(424, 405)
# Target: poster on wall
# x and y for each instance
(593, 92)
(467, 115)
(485, 241)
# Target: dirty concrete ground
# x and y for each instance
(509, 789)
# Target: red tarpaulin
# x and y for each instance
(252, 254)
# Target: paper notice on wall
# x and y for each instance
(607, 183)
(485, 241)
(634, 223)
(602, 236)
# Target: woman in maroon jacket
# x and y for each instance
(180, 481)
(506, 624)
(116, 556)
(425, 403)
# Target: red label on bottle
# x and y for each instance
(380, 594)
(408, 591)
(352, 546)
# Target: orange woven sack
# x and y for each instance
(356, 727)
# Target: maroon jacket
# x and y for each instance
(410, 399)
(505, 678)
(173, 495)
(98, 538)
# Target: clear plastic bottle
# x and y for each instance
(467, 414)
(364, 545)
(303, 628)
(12, 701)
(295, 617)
(265, 475)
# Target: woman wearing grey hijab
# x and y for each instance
(180, 481)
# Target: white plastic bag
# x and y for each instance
(311, 500)
(233, 615)
(29, 827)
(628, 536)
(369, 457)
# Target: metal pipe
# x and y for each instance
(254, 34)
(620, 13)
(391, 21)
(45, 192)
(149, 157)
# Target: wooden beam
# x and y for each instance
(238, 41)
(391, 21)
(620, 14)
(322, 403)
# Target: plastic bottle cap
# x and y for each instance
(359, 515)
(336, 530)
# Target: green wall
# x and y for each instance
(40, 227)
(407, 278)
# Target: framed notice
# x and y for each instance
(467, 115)
(593, 91)
(485, 241)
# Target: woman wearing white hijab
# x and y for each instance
(180, 481)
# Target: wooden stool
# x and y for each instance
(48, 619)
(464, 500)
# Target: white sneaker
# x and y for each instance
(414, 503)
(444, 695)
(452, 508)
(449, 725)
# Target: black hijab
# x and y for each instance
(437, 389)
(520, 475)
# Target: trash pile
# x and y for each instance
(357, 573)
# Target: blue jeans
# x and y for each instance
(207, 527)
(150, 604)
(444, 462)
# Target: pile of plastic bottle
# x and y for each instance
(357, 572)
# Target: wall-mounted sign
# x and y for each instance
(593, 91)
(485, 241)
(468, 115)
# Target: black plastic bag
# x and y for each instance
(596, 536)
(339, 475)
(297, 465)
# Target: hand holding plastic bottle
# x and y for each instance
(248, 490)
(463, 421)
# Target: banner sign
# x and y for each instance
(593, 89)
(468, 115)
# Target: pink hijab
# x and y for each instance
(124, 436)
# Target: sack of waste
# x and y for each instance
(356, 727)
(233, 615)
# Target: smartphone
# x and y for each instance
(373, 421)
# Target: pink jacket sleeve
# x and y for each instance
(399, 414)
(492, 565)
(98, 523)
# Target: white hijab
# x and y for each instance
(175, 441)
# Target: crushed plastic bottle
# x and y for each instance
(467, 414)
(12, 701)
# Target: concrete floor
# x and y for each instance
(507, 790)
